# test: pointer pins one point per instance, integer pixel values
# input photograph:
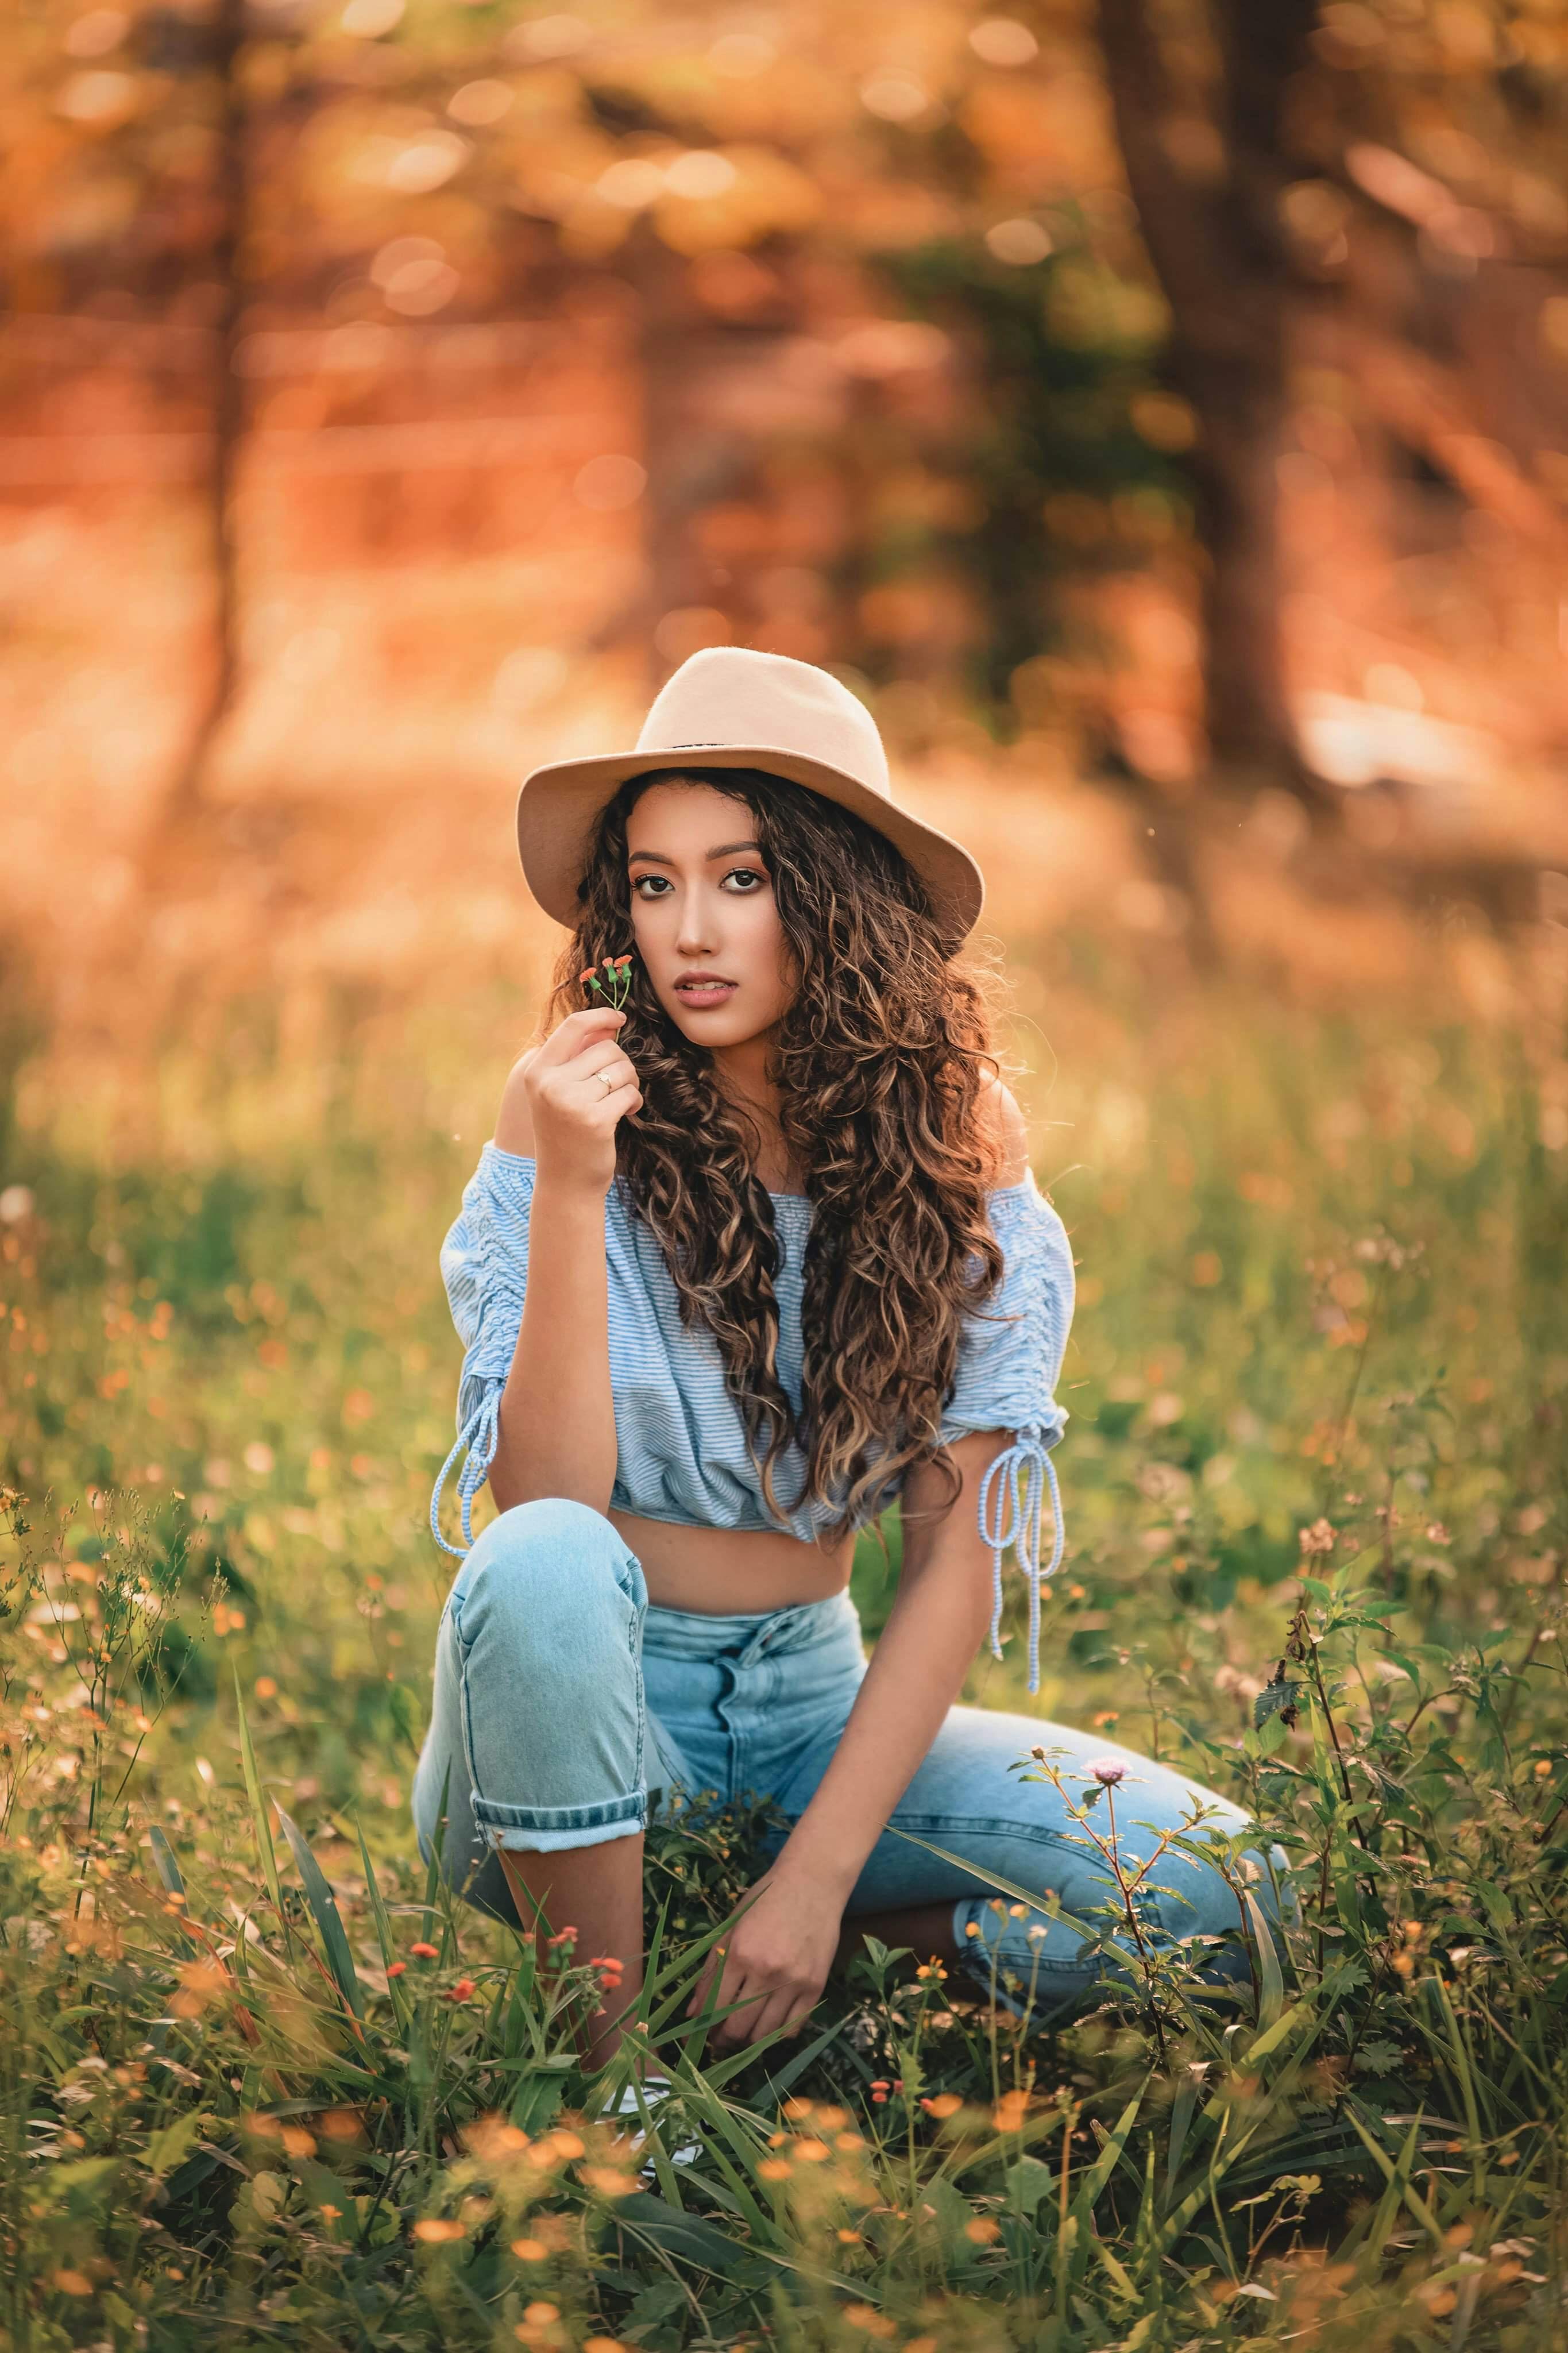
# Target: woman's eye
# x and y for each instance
(650, 886)
(745, 878)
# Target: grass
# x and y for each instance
(258, 2083)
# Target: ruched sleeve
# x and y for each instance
(484, 1264)
(1010, 1359)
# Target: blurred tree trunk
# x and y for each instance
(1207, 186)
(228, 417)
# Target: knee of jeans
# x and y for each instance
(539, 1571)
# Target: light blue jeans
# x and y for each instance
(567, 1707)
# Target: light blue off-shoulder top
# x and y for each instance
(682, 1452)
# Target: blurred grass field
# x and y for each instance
(1320, 1336)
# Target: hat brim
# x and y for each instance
(559, 803)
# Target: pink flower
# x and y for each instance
(1108, 1771)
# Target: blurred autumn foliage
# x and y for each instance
(1160, 401)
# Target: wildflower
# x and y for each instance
(565, 1936)
(396, 1968)
(973, 1928)
(1108, 1771)
(1319, 1538)
(774, 2168)
(811, 2152)
(437, 2233)
(492, 2139)
(931, 1968)
(617, 986)
(984, 2230)
(462, 1990)
(609, 2180)
(423, 1952)
(540, 2314)
(530, 2251)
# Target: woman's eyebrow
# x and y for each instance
(725, 850)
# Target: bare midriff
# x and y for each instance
(726, 1573)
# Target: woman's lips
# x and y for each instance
(703, 994)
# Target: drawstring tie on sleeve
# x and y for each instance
(1012, 1506)
(480, 1434)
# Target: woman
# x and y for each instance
(741, 1265)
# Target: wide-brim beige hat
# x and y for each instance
(733, 707)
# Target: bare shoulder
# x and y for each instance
(514, 1120)
(1002, 1122)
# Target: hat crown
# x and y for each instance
(728, 695)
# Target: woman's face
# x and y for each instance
(704, 917)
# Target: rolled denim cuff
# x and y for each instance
(544, 1829)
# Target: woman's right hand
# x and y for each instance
(564, 1099)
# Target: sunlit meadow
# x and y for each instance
(260, 2081)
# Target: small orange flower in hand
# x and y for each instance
(617, 986)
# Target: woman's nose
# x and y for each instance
(694, 935)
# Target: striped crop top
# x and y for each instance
(682, 1453)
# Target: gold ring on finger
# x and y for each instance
(607, 1082)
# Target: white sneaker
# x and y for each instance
(655, 2090)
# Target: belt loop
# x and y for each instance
(763, 1641)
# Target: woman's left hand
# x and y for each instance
(774, 1961)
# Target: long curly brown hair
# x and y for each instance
(880, 1062)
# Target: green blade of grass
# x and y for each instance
(167, 1862)
(1109, 2157)
(325, 1912)
(1398, 2176)
(257, 1803)
(379, 1914)
(1271, 1978)
(174, 1880)
(1036, 1900)
(780, 2083)
(1183, 2108)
